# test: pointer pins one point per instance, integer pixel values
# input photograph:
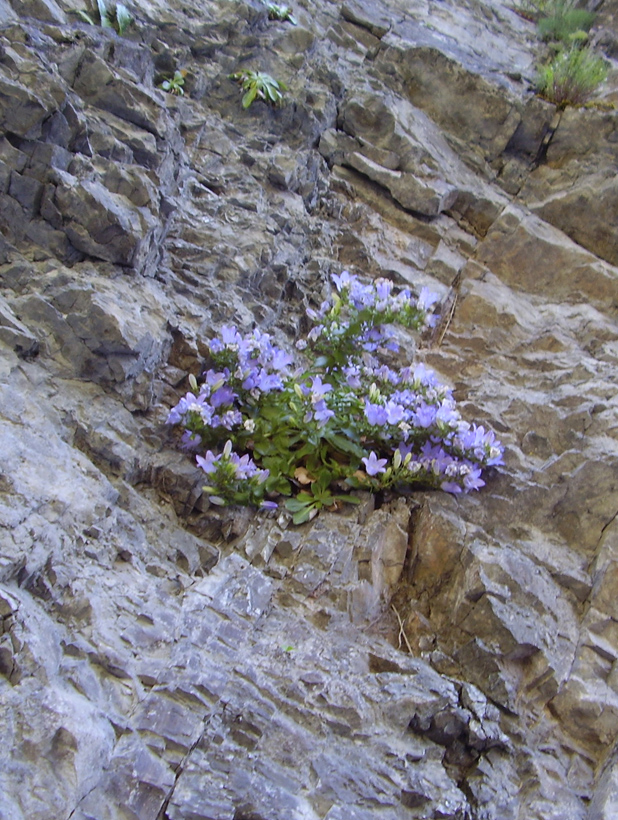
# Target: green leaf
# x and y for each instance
(344, 445)
(106, 20)
(249, 97)
(124, 18)
(298, 503)
(278, 484)
(85, 17)
(306, 515)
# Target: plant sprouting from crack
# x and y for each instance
(174, 85)
(117, 16)
(258, 85)
(571, 77)
(281, 13)
(342, 420)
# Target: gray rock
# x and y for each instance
(15, 334)
(102, 87)
(432, 656)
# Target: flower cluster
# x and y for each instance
(237, 478)
(359, 316)
(347, 421)
(246, 369)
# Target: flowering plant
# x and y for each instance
(346, 421)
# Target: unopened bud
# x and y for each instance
(193, 382)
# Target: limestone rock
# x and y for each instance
(399, 147)
(416, 657)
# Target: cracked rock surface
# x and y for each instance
(427, 657)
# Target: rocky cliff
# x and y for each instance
(437, 657)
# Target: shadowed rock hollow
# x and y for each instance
(438, 657)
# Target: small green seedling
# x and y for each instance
(174, 85)
(259, 86)
(118, 17)
(281, 13)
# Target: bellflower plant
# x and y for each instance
(346, 421)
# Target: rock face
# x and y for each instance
(437, 657)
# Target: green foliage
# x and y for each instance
(566, 25)
(174, 85)
(259, 86)
(533, 9)
(340, 421)
(282, 13)
(117, 17)
(306, 506)
(571, 77)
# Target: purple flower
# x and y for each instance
(386, 374)
(321, 413)
(230, 419)
(319, 389)
(352, 376)
(344, 280)
(374, 465)
(244, 466)
(208, 463)
(447, 415)
(280, 359)
(191, 404)
(176, 414)
(190, 441)
(424, 375)
(473, 480)
(260, 379)
(230, 336)
(383, 289)
(224, 395)
(372, 339)
(404, 449)
(269, 505)
(425, 415)
(426, 298)
(407, 398)
(451, 487)
(394, 412)
(215, 379)
(375, 414)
